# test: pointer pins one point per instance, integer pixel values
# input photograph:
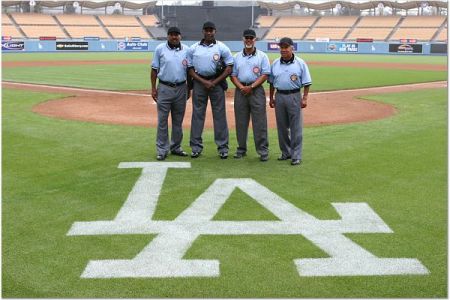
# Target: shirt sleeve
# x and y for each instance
(270, 78)
(234, 72)
(225, 53)
(265, 65)
(306, 77)
(156, 55)
(190, 56)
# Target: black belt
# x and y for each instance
(287, 92)
(172, 84)
(247, 83)
(208, 77)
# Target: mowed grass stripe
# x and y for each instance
(56, 172)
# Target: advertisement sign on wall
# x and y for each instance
(342, 47)
(132, 46)
(405, 48)
(72, 45)
(438, 48)
(13, 46)
(273, 46)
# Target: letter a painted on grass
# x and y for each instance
(163, 256)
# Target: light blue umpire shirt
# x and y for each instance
(248, 68)
(204, 58)
(171, 63)
(290, 75)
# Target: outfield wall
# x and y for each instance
(300, 46)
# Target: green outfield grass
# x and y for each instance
(137, 76)
(56, 172)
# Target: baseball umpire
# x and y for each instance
(289, 74)
(205, 58)
(250, 70)
(169, 65)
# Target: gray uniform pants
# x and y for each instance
(289, 117)
(170, 100)
(199, 103)
(253, 105)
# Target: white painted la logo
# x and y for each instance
(163, 256)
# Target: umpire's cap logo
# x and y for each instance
(216, 57)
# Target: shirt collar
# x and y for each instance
(174, 47)
(289, 61)
(251, 54)
(202, 42)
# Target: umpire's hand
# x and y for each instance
(155, 94)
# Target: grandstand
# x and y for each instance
(270, 20)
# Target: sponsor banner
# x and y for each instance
(47, 38)
(408, 41)
(438, 48)
(135, 39)
(342, 47)
(132, 46)
(273, 46)
(364, 40)
(91, 38)
(326, 40)
(6, 37)
(13, 46)
(405, 48)
(72, 45)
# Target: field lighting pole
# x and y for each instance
(162, 11)
(252, 13)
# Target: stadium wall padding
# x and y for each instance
(268, 46)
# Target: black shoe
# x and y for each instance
(161, 157)
(239, 155)
(195, 154)
(223, 155)
(284, 157)
(296, 162)
(179, 153)
(264, 158)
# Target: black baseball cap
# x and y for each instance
(173, 30)
(286, 40)
(249, 32)
(209, 24)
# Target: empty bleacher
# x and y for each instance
(332, 22)
(423, 21)
(148, 20)
(377, 28)
(422, 28)
(6, 20)
(33, 31)
(337, 33)
(383, 22)
(442, 36)
(266, 21)
(37, 25)
(124, 26)
(11, 30)
(424, 34)
(33, 19)
(124, 32)
(377, 34)
(118, 20)
(77, 20)
(83, 31)
(295, 21)
(294, 33)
